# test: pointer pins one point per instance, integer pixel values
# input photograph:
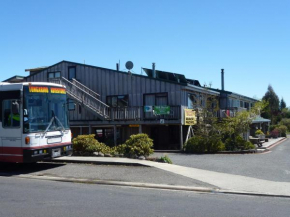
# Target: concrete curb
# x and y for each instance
(277, 143)
(148, 185)
(98, 162)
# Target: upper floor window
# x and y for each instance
(118, 101)
(71, 72)
(195, 100)
(241, 104)
(156, 99)
(51, 75)
(71, 105)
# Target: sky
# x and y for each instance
(249, 39)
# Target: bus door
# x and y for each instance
(11, 131)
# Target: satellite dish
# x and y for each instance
(129, 65)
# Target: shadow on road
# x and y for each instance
(11, 169)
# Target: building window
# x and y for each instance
(118, 101)
(71, 72)
(11, 116)
(156, 99)
(236, 103)
(51, 75)
(241, 104)
(211, 102)
(71, 105)
(195, 100)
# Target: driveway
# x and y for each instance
(272, 166)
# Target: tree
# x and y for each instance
(273, 107)
(282, 104)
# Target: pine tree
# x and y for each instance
(282, 104)
(273, 108)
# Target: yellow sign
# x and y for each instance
(134, 125)
(189, 117)
(57, 90)
(34, 89)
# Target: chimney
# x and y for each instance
(153, 70)
(223, 82)
(117, 66)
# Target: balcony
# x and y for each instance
(137, 113)
(229, 112)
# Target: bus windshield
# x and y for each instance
(44, 109)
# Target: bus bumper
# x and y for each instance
(34, 155)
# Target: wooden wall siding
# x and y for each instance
(109, 82)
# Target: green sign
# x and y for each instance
(162, 110)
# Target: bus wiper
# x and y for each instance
(54, 117)
(50, 123)
(63, 129)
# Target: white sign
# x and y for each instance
(162, 121)
(148, 108)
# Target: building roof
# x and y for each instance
(15, 79)
(259, 119)
(36, 69)
(232, 93)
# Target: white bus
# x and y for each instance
(34, 122)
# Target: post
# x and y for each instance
(90, 129)
(115, 135)
(223, 81)
(181, 138)
(140, 128)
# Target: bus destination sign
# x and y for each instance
(37, 89)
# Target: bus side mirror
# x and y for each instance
(15, 107)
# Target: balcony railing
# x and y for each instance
(174, 114)
(126, 113)
(230, 112)
(137, 113)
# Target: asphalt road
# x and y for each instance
(25, 197)
(273, 165)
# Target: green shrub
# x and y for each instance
(139, 145)
(165, 159)
(282, 130)
(122, 149)
(87, 144)
(286, 122)
(243, 144)
(198, 144)
(230, 144)
(216, 145)
(259, 132)
(195, 144)
(248, 145)
(136, 145)
(272, 127)
(238, 143)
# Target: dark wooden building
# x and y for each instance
(113, 104)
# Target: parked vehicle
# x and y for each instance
(34, 122)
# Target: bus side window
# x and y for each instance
(11, 116)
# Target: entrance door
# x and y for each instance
(11, 131)
(160, 136)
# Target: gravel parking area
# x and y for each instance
(272, 166)
(102, 172)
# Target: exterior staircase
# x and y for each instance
(84, 96)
